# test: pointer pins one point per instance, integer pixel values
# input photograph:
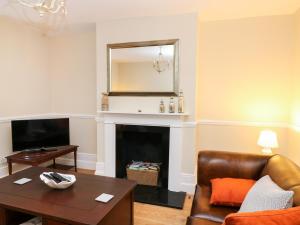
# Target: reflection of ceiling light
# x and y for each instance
(45, 6)
(160, 64)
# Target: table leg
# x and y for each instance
(54, 163)
(9, 167)
(75, 160)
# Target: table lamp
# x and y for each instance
(268, 140)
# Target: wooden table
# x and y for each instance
(73, 206)
(37, 158)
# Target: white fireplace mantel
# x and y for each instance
(145, 118)
(176, 122)
(144, 113)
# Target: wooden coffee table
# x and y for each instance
(75, 205)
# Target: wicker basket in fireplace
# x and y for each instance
(145, 174)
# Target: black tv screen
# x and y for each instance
(41, 133)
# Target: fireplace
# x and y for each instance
(147, 144)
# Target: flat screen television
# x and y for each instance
(39, 134)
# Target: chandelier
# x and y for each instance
(45, 7)
(160, 64)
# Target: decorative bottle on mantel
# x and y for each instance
(180, 102)
(104, 105)
(161, 106)
(171, 105)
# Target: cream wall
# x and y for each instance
(295, 114)
(73, 84)
(294, 132)
(46, 77)
(73, 72)
(237, 138)
(245, 69)
(244, 85)
(24, 77)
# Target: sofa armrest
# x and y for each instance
(219, 164)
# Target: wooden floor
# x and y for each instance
(145, 214)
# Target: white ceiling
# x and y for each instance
(82, 11)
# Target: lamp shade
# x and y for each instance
(268, 139)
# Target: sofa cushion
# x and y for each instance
(229, 191)
(266, 195)
(203, 209)
(274, 217)
(197, 221)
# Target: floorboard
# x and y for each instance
(145, 214)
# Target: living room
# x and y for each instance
(234, 88)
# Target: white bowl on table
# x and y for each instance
(62, 185)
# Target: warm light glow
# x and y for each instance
(269, 110)
(295, 116)
(297, 128)
(268, 140)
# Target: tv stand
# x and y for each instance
(39, 156)
(43, 149)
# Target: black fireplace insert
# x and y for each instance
(147, 144)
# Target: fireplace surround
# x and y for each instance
(181, 143)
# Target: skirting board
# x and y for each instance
(99, 169)
(84, 161)
(187, 181)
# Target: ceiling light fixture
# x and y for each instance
(160, 64)
(46, 7)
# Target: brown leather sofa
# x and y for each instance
(217, 164)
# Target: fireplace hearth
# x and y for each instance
(147, 144)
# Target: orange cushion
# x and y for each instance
(229, 191)
(273, 217)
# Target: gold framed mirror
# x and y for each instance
(147, 68)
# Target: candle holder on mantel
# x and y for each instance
(171, 105)
(180, 102)
(105, 104)
(162, 106)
